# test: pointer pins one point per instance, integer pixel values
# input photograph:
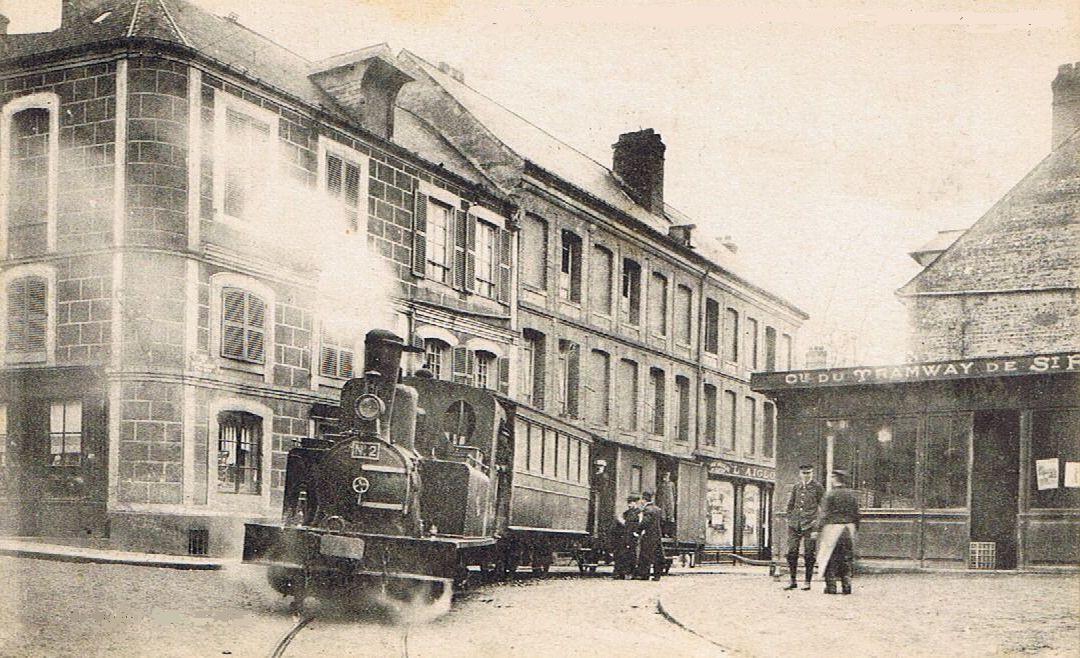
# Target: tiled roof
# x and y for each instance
(1030, 239)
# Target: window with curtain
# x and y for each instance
(239, 452)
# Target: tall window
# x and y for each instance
(601, 273)
(243, 332)
(440, 243)
(684, 314)
(630, 298)
(682, 390)
(751, 424)
(487, 262)
(65, 433)
(245, 139)
(751, 343)
(733, 422)
(658, 387)
(533, 256)
(947, 439)
(658, 304)
(27, 318)
(770, 349)
(599, 398)
(532, 370)
(785, 351)
(343, 184)
(768, 434)
(731, 335)
(485, 365)
(570, 267)
(569, 377)
(435, 358)
(627, 382)
(239, 452)
(712, 326)
(31, 177)
(710, 414)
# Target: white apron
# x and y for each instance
(827, 538)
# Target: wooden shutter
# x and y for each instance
(460, 365)
(470, 252)
(503, 280)
(573, 380)
(504, 375)
(329, 362)
(419, 259)
(345, 363)
(351, 196)
(232, 323)
(256, 324)
(460, 229)
(27, 314)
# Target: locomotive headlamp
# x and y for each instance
(369, 407)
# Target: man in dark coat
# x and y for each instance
(839, 520)
(665, 500)
(802, 516)
(625, 538)
(650, 548)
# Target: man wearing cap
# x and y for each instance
(802, 516)
(625, 538)
(838, 523)
(650, 547)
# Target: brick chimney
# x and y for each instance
(4, 21)
(639, 163)
(1066, 104)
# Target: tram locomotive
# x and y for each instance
(425, 479)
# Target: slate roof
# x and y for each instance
(1029, 239)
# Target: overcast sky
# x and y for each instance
(828, 140)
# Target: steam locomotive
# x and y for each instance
(426, 479)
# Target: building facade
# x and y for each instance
(198, 226)
(968, 456)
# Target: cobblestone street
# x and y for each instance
(63, 609)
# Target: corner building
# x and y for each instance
(967, 457)
(188, 208)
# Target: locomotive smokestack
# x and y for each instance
(382, 362)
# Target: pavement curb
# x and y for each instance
(96, 557)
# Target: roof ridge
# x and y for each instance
(134, 18)
(172, 22)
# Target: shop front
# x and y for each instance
(972, 463)
(738, 507)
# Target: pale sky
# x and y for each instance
(828, 140)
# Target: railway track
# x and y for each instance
(283, 644)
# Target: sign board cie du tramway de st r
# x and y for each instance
(1038, 364)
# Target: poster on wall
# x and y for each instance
(1046, 473)
(1072, 474)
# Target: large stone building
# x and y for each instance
(187, 215)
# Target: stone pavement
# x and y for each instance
(960, 614)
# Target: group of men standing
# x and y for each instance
(825, 524)
(639, 551)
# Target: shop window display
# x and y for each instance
(880, 454)
(1055, 454)
(720, 499)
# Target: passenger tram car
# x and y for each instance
(428, 478)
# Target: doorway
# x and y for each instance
(995, 478)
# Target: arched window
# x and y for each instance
(239, 452)
(486, 375)
(435, 352)
(30, 144)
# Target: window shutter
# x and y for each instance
(16, 316)
(461, 374)
(351, 196)
(503, 256)
(573, 380)
(504, 375)
(232, 323)
(37, 313)
(470, 252)
(460, 233)
(329, 365)
(345, 364)
(333, 175)
(256, 323)
(419, 260)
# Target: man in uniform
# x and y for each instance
(651, 549)
(665, 500)
(802, 512)
(625, 538)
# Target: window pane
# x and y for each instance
(880, 455)
(731, 334)
(600, 280)
(73, 417)
(536, 449)
(947, 461)
(684, 303)
(534, 252)
(56, 417)
(712, 326)
(1053, 437)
